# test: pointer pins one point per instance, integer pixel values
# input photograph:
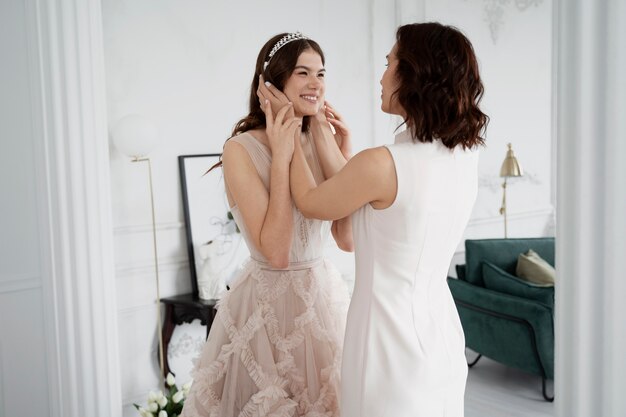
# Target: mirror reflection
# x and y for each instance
(188, 68)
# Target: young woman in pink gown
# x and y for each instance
(275, 346)
(404, 345)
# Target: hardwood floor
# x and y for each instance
(495, 390)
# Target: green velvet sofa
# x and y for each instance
(515, 330)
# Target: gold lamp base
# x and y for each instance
(503, 207)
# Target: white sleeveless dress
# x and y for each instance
(404, 344)
(275, 346)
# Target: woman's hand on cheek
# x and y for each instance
(277, 98)
(342, 133)
(282, 132)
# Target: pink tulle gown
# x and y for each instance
(275, 346)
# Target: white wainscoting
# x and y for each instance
(22, 353)
(138, 346)
(136, 299)
(3, 401)
(19, 283)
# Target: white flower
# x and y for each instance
(178, 397)
(170, 380)
(162, 413)
(153, 407)
(152, 397)
(162, 402)
(187, 387)
(144, 412)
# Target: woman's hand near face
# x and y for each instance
(341, 131)
(277, 98)
(281, 132)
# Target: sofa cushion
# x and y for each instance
(503, 253)
(499, 280)
(460, 271)
(533, 268)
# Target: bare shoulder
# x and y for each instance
(373, 160)
(376, 172)
(232, 148)
(378, 154)
(235, 158)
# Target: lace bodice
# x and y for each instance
(309, 235)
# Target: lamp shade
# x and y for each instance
(510, 166)
(135, 136)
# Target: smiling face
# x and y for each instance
(305, 87)
(389, 83)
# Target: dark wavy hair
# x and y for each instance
(439, 85)
(277, 72)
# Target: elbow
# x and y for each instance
(305, 209)
(275, 250)
(311, 212)
(298, 201)
(278, 262)
(346, 245)
(278, 259)
(342, 233)
(306, 212)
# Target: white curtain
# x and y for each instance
(591, 231)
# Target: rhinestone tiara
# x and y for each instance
(290, 37)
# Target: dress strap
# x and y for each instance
(259, 154)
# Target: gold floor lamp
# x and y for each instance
(510, 168)
(135, 136)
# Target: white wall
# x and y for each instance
(187, 65)
(23, 362)
(516, 68)
(514, 49)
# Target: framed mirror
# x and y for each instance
(208, 219)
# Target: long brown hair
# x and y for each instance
(278, 71)
(439, 85)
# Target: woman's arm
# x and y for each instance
(332, 160)
(369, 177)
(267, 215)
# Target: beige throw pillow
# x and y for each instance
(533, 268)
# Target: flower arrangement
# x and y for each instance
(169, 404)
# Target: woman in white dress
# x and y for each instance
(404, 345)
(274, 348)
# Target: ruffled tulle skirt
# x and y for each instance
(275, 346)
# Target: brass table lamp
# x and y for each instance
(510, 168)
